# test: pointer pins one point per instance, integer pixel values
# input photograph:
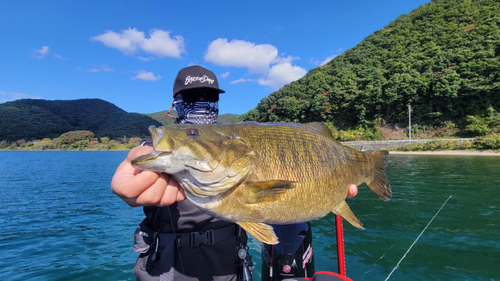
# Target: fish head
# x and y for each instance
(205, 159)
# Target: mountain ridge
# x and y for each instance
(31, 119)
(37, 118)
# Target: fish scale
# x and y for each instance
(258, 174)
(288, 158)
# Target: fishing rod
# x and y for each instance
(340, 245)
(414, 242)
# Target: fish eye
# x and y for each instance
(192, 132)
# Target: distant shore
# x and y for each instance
(435, 152)
(451, 152)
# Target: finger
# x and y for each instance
(171, 194)
(129, 182)
(126, 166)
(138, 151)
(352, 191)
(126, 184)
(181, 195)
(131, 202)
(153, 194)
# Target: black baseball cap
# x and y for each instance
(195, 77)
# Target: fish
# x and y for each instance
(259, 174)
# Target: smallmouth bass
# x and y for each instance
(257, 174)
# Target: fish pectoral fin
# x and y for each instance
(263, 232)
(261, 191)
(269, 186)
(345, 212)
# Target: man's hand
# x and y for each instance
(353, 190)
(144, 188)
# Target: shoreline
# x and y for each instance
(429, 152)
(449, 152)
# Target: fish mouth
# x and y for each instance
(144, 160)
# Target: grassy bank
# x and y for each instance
(451, 152)
(490, 142)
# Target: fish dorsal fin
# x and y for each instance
(345, 212)
(263, 232)
(261, 191)
(319, 127)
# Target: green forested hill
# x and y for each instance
(36, 119)
(443, 58)
(227, 118)
(160, 117)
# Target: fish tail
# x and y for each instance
(380, 183)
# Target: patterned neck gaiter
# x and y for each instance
(199, 112)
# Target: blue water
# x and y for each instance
(60, 220)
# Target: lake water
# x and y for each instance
(60, 220)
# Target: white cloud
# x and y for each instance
(42, 52)
(10, 96)
(102, 68)
(161, 45)
(242, 80)
(240, 53)
(288, 59)
(127, 41)
(141, 58)
(224, 75)
(146, 76)
(59, 57)
(262, 60)
(282, 74)
(131, 40)
(327, 59)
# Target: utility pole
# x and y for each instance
(409, 121)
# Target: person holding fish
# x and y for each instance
(177, 240)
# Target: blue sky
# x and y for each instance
(129, 52)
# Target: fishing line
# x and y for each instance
(375, 263)
(175, 235)
(281, 244)
(397, 265)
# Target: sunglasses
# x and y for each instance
(195, 95)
